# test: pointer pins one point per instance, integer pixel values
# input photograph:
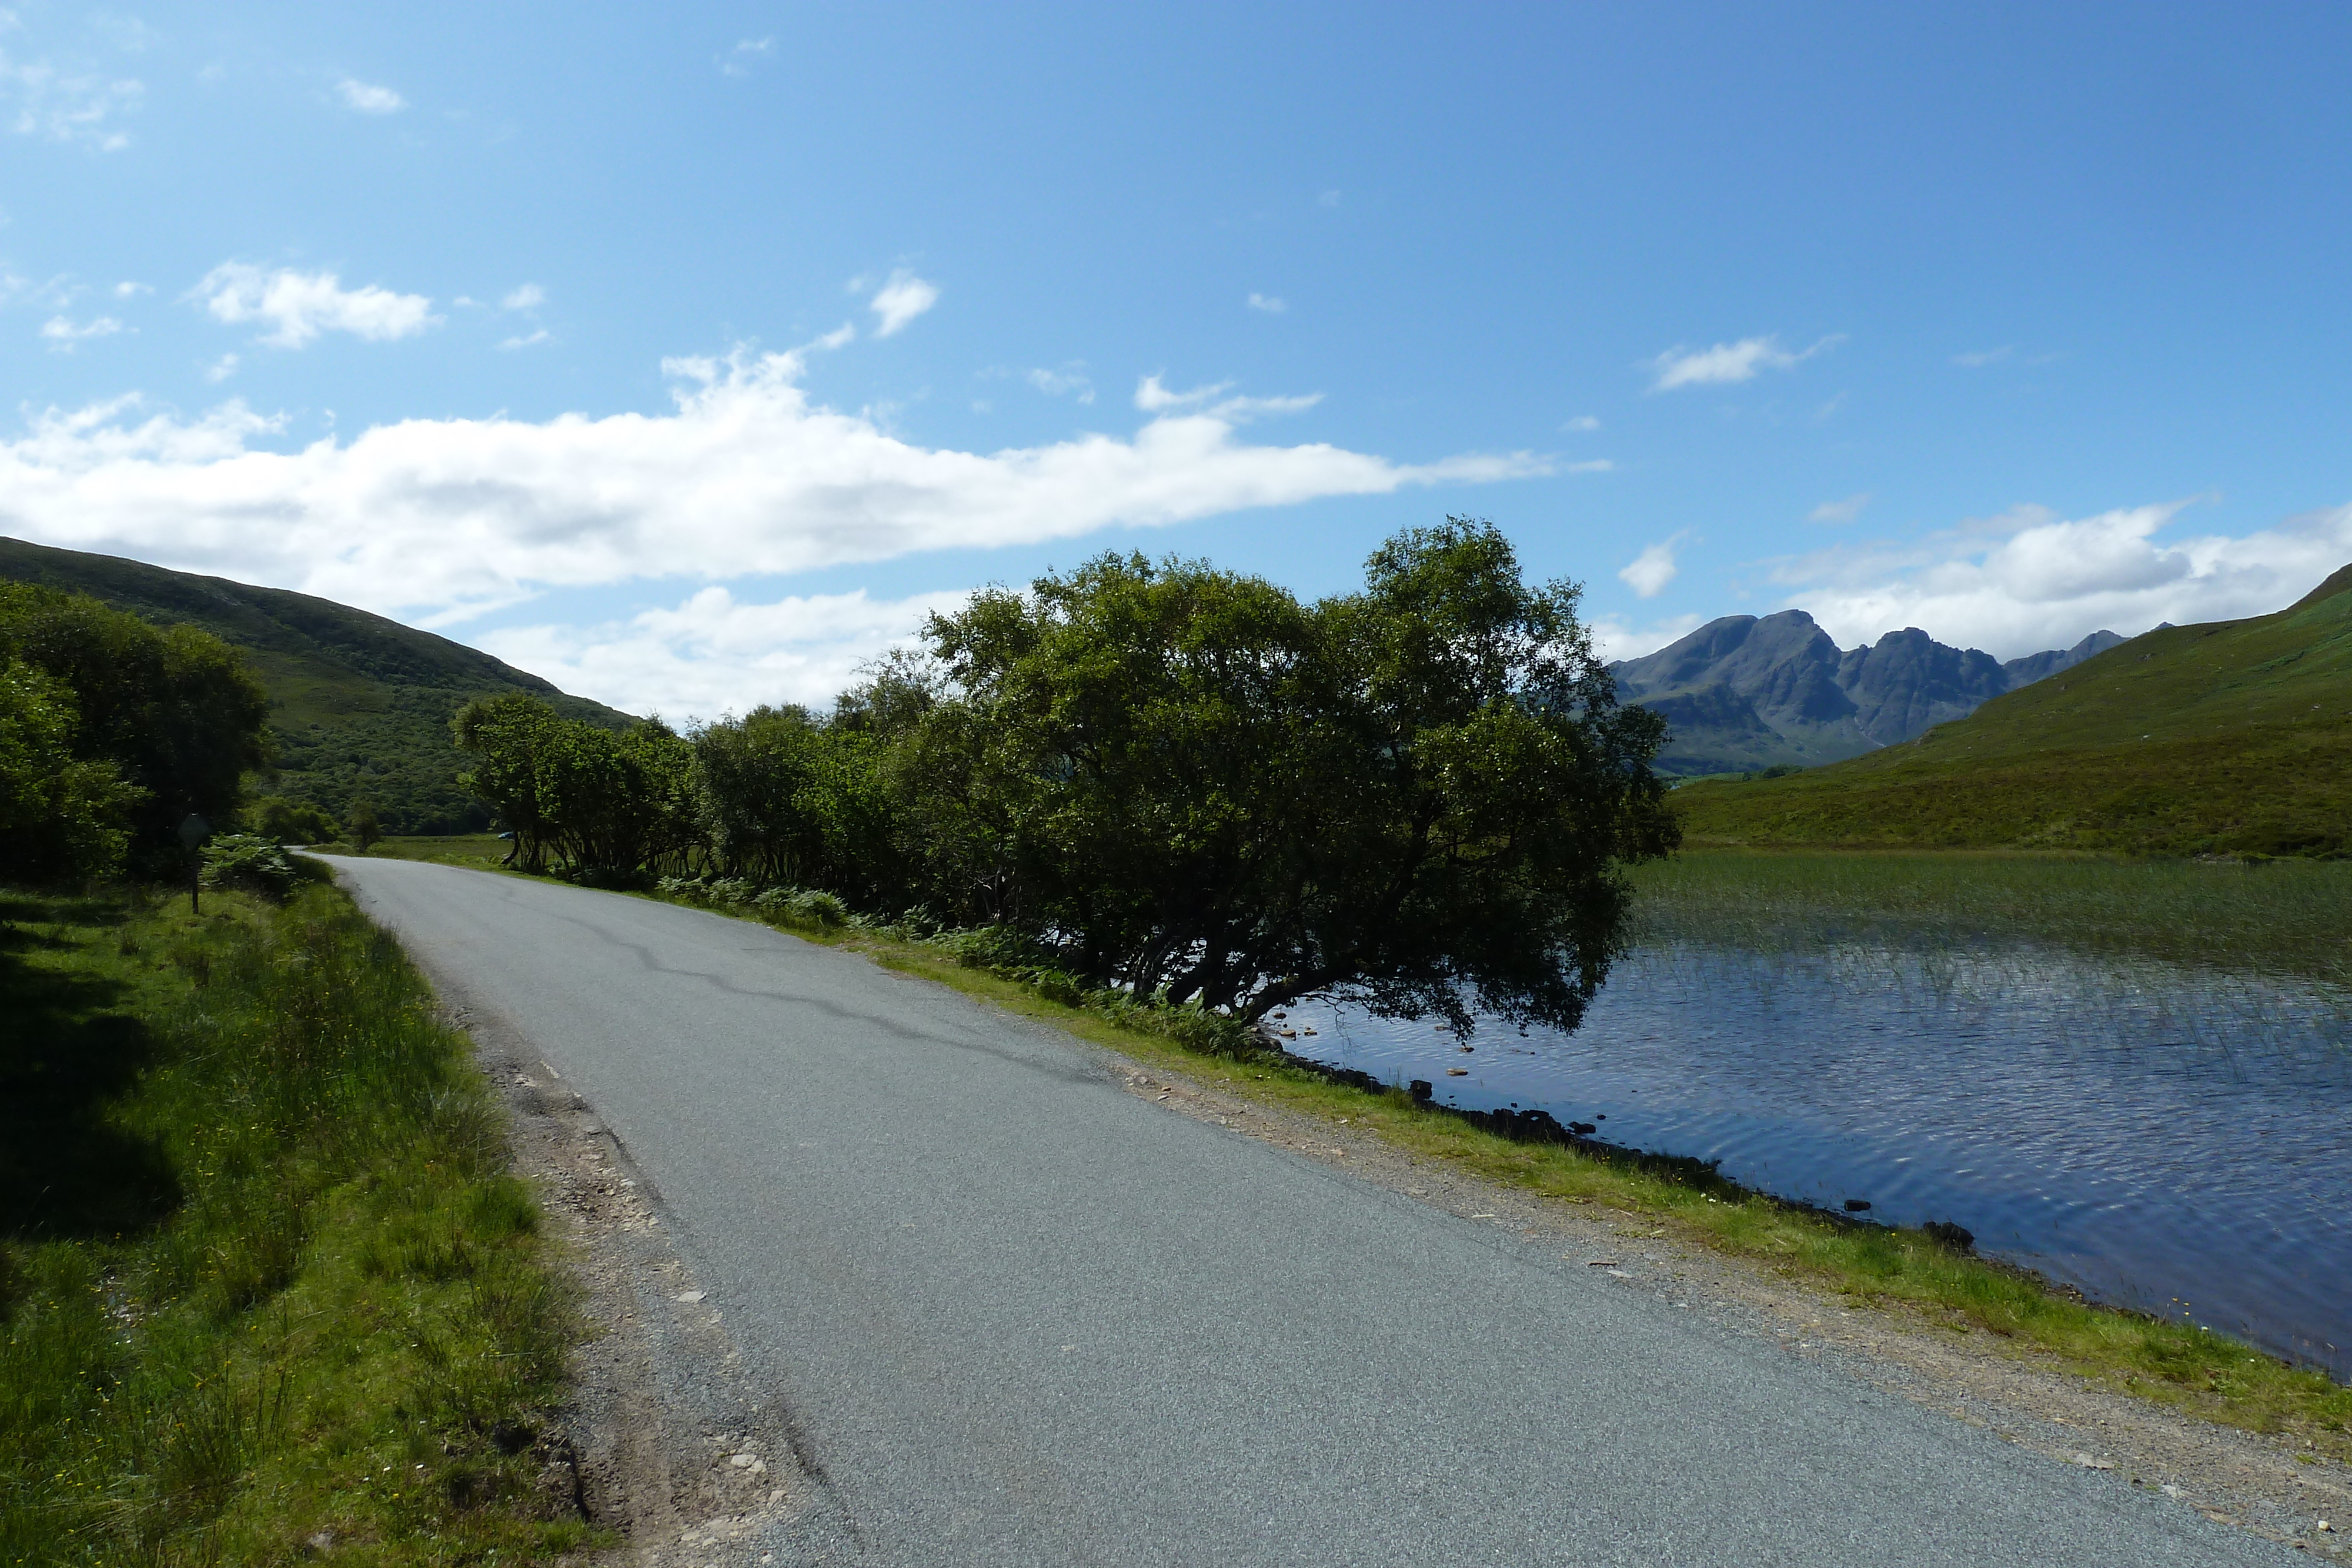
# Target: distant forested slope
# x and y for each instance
(359, 706)
(2233, 736)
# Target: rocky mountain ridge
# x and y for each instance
(1746, 692)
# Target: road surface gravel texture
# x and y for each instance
(1020, 1315)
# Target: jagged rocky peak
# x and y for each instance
(1747, 691)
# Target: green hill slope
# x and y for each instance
(360, 706)
(2234, 737)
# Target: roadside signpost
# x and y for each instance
(194, 831)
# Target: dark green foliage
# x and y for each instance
(611, 805)
(2233, 738)
(285, 822)
(359, 706)
(140, 728)
(62, 814)
(366, 829)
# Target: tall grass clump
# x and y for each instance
(267, 1286)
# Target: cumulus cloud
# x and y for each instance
(900, 299)
(63, 334)
(369, 99)
(1843, 511)
(1728, 362)
(67, 106)
(2029, 579)
(1273, 305)
(713, 655)
(438, 517)
(299, 306)
(1648, 573)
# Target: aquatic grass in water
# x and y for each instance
(2279, 918)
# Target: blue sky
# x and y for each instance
(525, 322)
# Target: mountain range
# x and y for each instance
(2232, 738)
(1746, 693)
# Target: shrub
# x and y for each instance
(254, 863)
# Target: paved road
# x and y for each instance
(1024, 1316)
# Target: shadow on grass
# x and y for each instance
(67, 1055)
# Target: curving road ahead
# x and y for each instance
(1023, 1316)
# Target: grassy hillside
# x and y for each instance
(2230, 737)
(360, 706)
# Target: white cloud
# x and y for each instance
(1070, 379)
(1591, 466)
(129, 290)
(1843, 511)
(738, 61)
(64, 335)
(1273, 305)
(220, 369)
(1582, 425)
(368, 100)
(441, 517)
(713, 655)
(522, 342)
(1981, 357)
(2029, 580)
(299, 306)
(1209, 402)
(1649, 572)
(67, 106)
(530, 296)
(1613, 639)
(1728, 362)
(900, 300)
(1328, 199)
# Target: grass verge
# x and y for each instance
(267, 1286)
(2204, 1374)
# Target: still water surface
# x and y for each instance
(2165, 1138)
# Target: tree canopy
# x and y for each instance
(1176, 781)
(112, 732)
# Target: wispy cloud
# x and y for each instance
(900, 300)
(1981, 357)
(2029, 579)
(1327, 199)
(220, 369)
(1648, 573)
(367, 99)
(129, 290)
(1273, 305)
(1210, 403)
(65, 104)
(1843, 511)
(64, 335)
(439, 518)
(530, 296)
(738, 60)
(1071, 379)
(301, 306)
(1727, 363)
(519, 341)
(1582, 425)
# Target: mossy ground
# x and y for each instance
(265, 1278)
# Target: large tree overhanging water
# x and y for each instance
(1178, 781)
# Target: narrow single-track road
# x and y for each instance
(1019, 1315)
